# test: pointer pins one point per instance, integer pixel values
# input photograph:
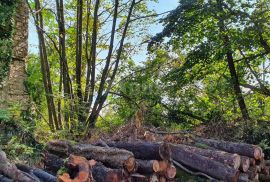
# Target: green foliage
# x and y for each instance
(6, 12)
(16, 137)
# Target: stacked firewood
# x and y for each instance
(101, 163)
(152, 161)
(142, 161)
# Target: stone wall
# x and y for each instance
(13, 89)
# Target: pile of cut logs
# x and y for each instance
(145, 162)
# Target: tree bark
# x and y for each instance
(104, 174)
(145, 150)
(64, 70)
(45, 69)
(205, 165)
(244, 149)
(245, 163)
(112, 157)
(243, 177)
(52, 163)
(147, 166)
(79, 58)
(226, 158)
(12, 172)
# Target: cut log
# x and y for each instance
(267, 162)
(145, 150)
(170, 172)
(59, 147)
(147, 166)
(252, 161)
(226, 158)
(252, 173)
(264, 178)
(243, 177)
(245, 163)
(37, 173)
(103, 174)
(52, 163)
(10, 170)
(112, 157)
(5, 179)
(167, 170)
(206, 165)
(266, 170)
(81, 166)
(244, 149)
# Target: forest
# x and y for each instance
(134, 90)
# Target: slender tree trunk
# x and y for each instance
(230, 62)
(79, 58)
(63, 61)
(93, 54)
(45, 68)
(99, 102)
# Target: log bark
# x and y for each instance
(103, 174)
(266, 170)
(245, 163)
(145, 150)
(226, 158)
(264, 178)
(252, 162)
(147, 166)
(243, 177)
(37, 173)
(5, 179)
(52, 163)
(206, 165)
(252, 173)
(11, 171)
(244, 149)
(112, 157)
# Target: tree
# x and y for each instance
(208, 32)
(85, 91)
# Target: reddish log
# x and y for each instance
(145, 150)
(244, 149)
(112, 157)
(226, 158)
(245, 163)
(206, 165)
(167, 170)
(81, 166)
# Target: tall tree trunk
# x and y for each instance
(63, 61)
(230, 62)
(79, 58)
(99, 102)
(45, 69)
